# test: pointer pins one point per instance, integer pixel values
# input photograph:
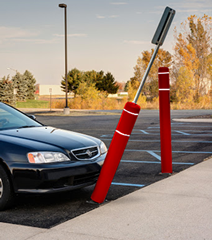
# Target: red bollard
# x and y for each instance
(115, 151)
(165, 120)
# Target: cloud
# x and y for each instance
(100, 16)
(35, 41)
(13, 32)
(135, 42)
(187, 10)
(118, 3)
(193, 6)
(114, 16)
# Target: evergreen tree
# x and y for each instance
(74, 78)
(6, 91)
(30, 80)
(92, 78)
(89, 77)
(98, 80)
(108, 84)
(20, 84)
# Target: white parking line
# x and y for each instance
(152, 162)
(173, 141)
(143, 131)
(182, 132)
(187, 126)
(128, 184)
(196, 152)
(108, 135)
(154, 155)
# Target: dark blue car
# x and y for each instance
(40, 159)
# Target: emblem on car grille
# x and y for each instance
(89, 153)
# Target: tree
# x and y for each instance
(74, 78)
(107, 83)
(132, 89)
(163, 59)
(89, 77)
(193, 50)
(6, 91)
(30, 80)
(184, 87)
(126, 87)
(99, 79)
(20, 84)
(101, 82)
(88, 93)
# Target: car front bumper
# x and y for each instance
(47, 178)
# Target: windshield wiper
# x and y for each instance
(27, 126)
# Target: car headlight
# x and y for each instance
(103, 148)
(46, 157)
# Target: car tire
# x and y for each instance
(6, 192)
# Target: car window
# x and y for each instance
(11, 118)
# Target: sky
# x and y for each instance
(106, 35)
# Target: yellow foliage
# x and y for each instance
(184, 86)
(205, 102)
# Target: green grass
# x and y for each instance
(33, 104)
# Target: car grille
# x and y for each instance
(86, 153)
(86, 178)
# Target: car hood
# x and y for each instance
(60, 138)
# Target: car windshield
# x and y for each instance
(11, 118)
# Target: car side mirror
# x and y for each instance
(32, 117)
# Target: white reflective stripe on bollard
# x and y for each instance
(126, 135)
(136, 114)
(163, 73)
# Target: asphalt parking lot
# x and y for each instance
(140, 165)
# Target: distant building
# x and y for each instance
(47, 89)
(123, 93)
(206, 85)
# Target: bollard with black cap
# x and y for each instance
(128, 119)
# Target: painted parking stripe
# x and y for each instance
(187, 126)
(154, 155)
(135, 150)
(158, 133)
(193, 134)
(152, 162)
(196, 130)
(177, 141)
(127, 184)
(143, 131)
(182, 132)
(108, 135)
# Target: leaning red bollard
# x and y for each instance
(165, 120)
(115, 151)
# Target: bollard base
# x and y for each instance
(165, 174)
(96, 203)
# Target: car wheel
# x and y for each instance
(6, 193)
